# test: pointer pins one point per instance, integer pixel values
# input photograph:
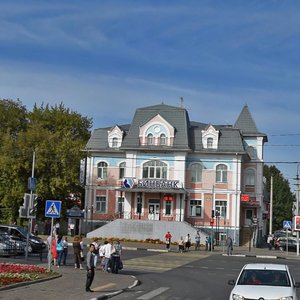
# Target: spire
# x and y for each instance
(245, 122)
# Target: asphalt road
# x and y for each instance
(175, 276)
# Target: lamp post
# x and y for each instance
(297, 204)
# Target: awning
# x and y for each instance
(145, 190)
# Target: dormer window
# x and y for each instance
(210, 142)
(150, 139)
(114, 142)
(162, 139)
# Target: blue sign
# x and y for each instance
(287, 224)
(128, 183)
(32, 183)
(52, 209)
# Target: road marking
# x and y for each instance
(103, 287)
(153, 294)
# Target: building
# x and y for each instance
(164, 167)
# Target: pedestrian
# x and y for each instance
(269, 241)
(116, 257)
(197, 241)
(229, 245)
(187, 242)
(168, 237)
(90, 268)
(65, 251)
(101, 257)
(96, 251)
(77, 251)
(59, 249)
(181, 245)
(209, 239)
(54, 251)
(107, 249)
(36, 229)
(206, 243)
(72, 227)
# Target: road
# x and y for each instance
(176, 276)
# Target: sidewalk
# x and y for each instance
(71, 284)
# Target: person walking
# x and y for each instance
(107, 249)
(90, 268)
(269, 241)
(197, 241)
(168, 237)
(54, 252)
(59, 249)
(187, 242)
(116, 257)
(65, 251)
(181, 245)
(77, 251)
(229, 245)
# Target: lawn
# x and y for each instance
(11, 273)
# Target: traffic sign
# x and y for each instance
(287, 224)
(52, 209)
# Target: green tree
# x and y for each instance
(57, 135)
(283, 198)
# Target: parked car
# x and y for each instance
(18, 234)
(280, 244)
(8, 247)
(264, 281)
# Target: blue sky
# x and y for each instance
(104, 59)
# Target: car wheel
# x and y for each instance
(30, 249)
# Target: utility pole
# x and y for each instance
(271, 207)
(297, 205)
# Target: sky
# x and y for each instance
(104, 59)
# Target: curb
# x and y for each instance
(110, 295)
(145, 249)
(261, 256)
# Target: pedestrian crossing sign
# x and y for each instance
(287, 224)
(52, 209)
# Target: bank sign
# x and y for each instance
(157, 184)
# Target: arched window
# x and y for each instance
(150, 139)
(221, 173)
(155, 169)
(115, 142)
(122, 170)
(210, 142)
(196, 172)
(102, 170)
(250, 177)
(162, 139)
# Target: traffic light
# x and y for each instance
(33, 206)
(212, 213)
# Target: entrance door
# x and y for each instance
(153, 209)
(248, 217)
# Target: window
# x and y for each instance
(221, 175)
(221, 207)
(115, 142)
(120, 205)
(102, 170)
(196, 208)
(155, 169)
(150, 139)
(250, 177)
(122, 170)
(162, 139)
(210, 143)
(101, 204)
(168, 206)
(196, 172)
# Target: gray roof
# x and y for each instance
(188, 135)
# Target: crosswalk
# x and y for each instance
(163, 262)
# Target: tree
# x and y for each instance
(283, 198)
(57, 135)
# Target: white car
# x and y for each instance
(264, 282)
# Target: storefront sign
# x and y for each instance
(158, 184)
(245, 197)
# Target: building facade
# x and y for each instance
(164, 167)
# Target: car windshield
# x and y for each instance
(264, 277)
(24, 232)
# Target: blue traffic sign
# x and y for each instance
(287, 224)
(52, 209)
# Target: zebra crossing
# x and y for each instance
(163, 262)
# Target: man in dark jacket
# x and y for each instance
(90, 268)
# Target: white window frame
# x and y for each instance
(221, 206)
(150, 139)
(101, 201)
(162, 139)
(122, 167)
(168, 202)
(196, 172)
(210, 143)
(250, 179)
(102, 169)
(122, 204)
(137, 199)
(221, 173)
(193, 208)
(155, 169)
